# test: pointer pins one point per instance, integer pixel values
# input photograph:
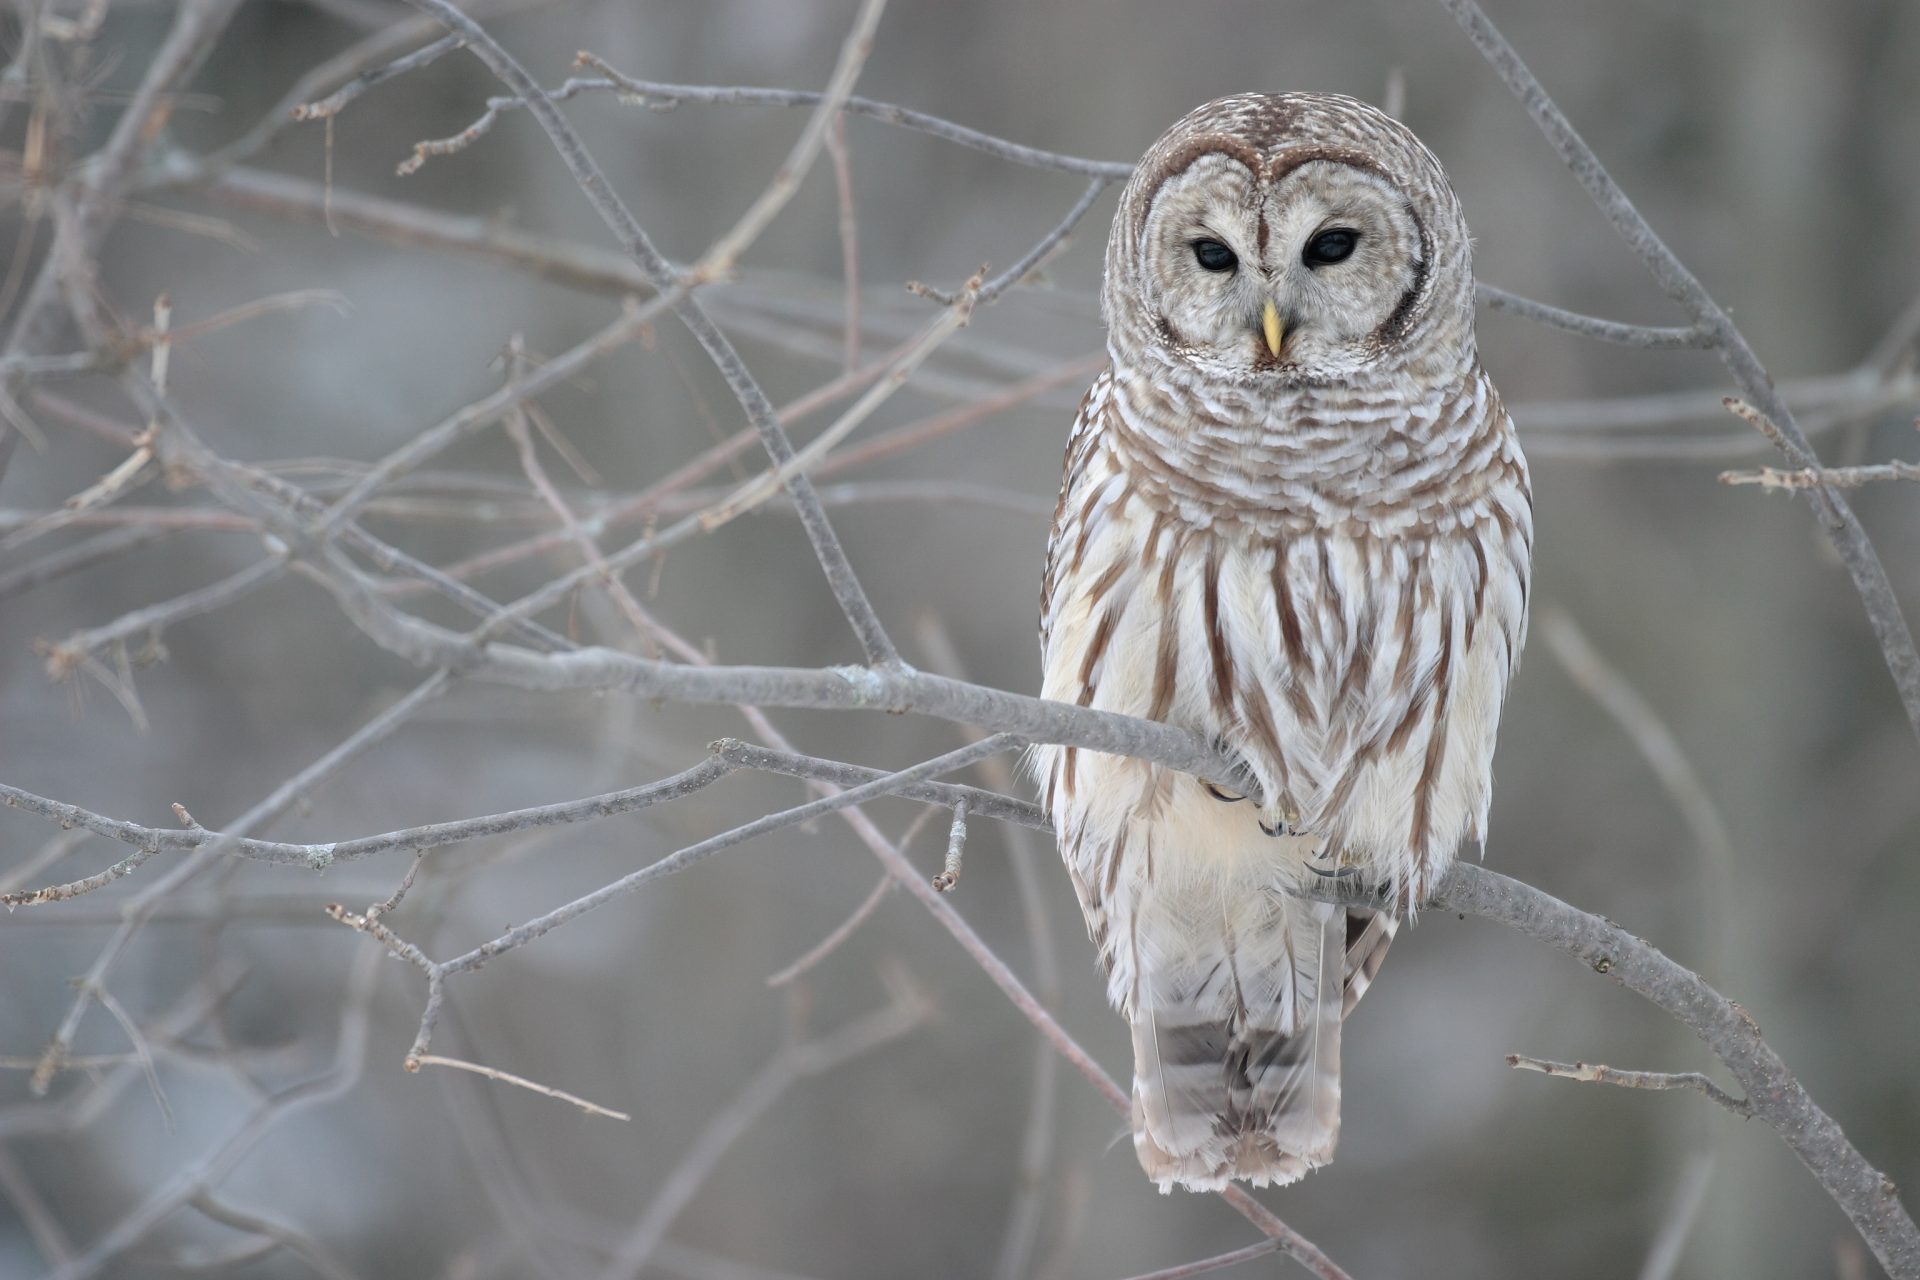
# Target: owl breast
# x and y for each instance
(1356, 665)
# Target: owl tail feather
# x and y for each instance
(1237, 1054)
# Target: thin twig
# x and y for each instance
(334, 103)
(659, 95)
(765, 485)
(1219, 1262)
(852, 597)
(1595, 1073)
(416, 1061)
(64, 655)
(835, 939)
(694, 853)
(142, 1054)
(956, 849)
(1045, 248)
(1652, 337)
(318, 856)
(719, 261)
(1777, 481)
(74, 888)
(849, 235)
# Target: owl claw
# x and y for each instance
(1222, 794)
(1341, 874)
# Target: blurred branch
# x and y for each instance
(1219, 1262)
(812, 956)
(1671, 766)
(334, 103)
(277, 1233)
(1713, 845)
(1629, 335)
(1027, 1209)
(64, 655)
(100, 183)
(639, 246)
(398, 222)
(1028, 262)
(633, 320)
(1663, 1255)
(76, 557)
(662, 96)
(795, 1061)
(1842, 527)
(719, 260)
(507, 1077)
(199, 1178)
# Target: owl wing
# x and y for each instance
(1068, 530)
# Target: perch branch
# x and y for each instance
(1867, 1196)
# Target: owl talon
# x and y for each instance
(1277, 829)
(1222, 794)
(1340, 874)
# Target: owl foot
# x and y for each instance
(1243, 775)
(1333, 870)
(1287, 823)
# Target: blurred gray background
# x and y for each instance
(1771, 142)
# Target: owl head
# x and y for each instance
(1290, 239)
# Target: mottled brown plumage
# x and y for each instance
(1294, 519)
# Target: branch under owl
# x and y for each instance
(1772, 1093)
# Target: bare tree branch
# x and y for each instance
(1842, 527)
(1776, 481)
(1629, 335)
(634, 240)
(1595, 1073)
(1864, 1194)
(795, 1061)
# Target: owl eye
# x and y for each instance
(1214, 256)
(1333, 245)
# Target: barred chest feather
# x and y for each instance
(1350, 637)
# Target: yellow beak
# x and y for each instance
(1275, 331)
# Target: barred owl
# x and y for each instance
(1295, 520)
